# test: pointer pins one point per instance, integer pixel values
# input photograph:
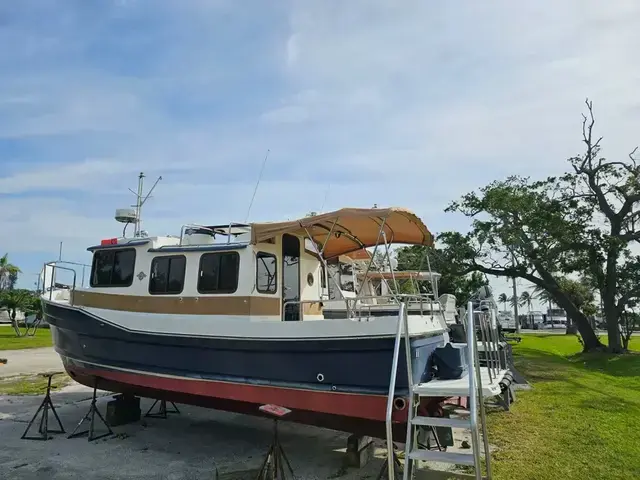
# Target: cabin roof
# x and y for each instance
(215, 247)
(133, 242)
(351, 229)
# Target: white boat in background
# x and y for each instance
(507, 321)
(380, 289)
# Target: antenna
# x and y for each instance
(326, 194)
(140, 201)
(255, 190)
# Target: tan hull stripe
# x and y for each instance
(218, 305)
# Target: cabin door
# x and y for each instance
(290, 277)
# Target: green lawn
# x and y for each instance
(581, 420)
(31, 384)
(9, 341)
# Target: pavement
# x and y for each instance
(29, 361)
(191, 445)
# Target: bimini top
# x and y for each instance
(351, 229)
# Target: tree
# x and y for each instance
(585, 220)
(503, 299)
(513, 301)
(525, 300)
(580, 294)
(463, 287)
(14, 301)
(8, 273)
(629, 324)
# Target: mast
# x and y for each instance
(136, 232)
(140, 201)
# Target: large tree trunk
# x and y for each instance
(613, 330)
(589, 338)
(572, 329)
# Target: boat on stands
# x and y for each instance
(231, 317)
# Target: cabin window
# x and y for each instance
(323, 276)
(167, 275)
(266, 273)
(219, 272)
(113, 268)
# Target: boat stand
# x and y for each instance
(44, 407)
(273, 465)
(275, 461)
(162, 410)
(90, 415)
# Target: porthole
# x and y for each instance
(310, 279)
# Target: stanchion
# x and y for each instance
(44, 407)
(273, 466)
(90, 415)
(162, 410)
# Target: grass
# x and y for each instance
(9, 341)
(31, 384)
(580, 420)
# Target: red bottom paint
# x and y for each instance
(353, 413)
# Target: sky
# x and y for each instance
(363, 102)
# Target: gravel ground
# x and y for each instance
(188, 446)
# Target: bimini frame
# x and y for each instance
(351, 229)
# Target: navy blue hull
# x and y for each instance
(357, 365)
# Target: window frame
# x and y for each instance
(217, 292)
(114, 251)
(275, 257)
(169, 258)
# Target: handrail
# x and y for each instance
(473, 395)
(410, 407)
(53, 277)
(66, 262)
(402, 321)
(352, 304)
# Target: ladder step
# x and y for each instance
(444, 457)
(442, 422)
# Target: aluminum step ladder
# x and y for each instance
(476, 377)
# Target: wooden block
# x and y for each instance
(123, 410)
(359, 451)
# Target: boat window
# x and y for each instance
(219, 272)
(167, 275)
(113, 268)
(266, 273)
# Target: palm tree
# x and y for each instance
(7, 270)
(14, 301)
(525, 300)
(545, 297)
(503, 299)
(513, 301)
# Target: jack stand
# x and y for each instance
(162, 411)
(93, 410)
(275, 461)
(398, 470)
(44, 421)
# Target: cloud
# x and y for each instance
(406, 103)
